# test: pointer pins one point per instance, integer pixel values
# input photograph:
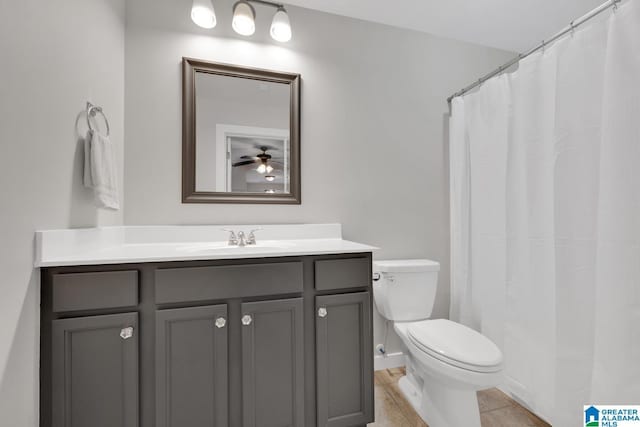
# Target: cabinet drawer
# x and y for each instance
(342, 273)
(233, 281)
(95, 290)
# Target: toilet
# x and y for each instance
(446, 362)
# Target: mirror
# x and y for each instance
(241, 134)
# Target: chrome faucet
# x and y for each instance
(240, 239)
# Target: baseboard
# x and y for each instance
(388, 361)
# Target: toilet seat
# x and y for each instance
(455, 344)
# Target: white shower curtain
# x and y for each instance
(545, 218)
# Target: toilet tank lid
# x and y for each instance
(406, 265)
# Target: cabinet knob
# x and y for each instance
(126, 333)
(322, 312)
(246, 320)
(220, 322)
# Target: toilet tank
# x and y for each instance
(405, 290)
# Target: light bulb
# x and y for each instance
(270, 177)
(268, 168)
(261, 169)
(280, 26)
(244, 18)
(202, 14)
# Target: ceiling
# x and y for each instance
(514, 25)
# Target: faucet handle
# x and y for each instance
(251, 240)
(233, 240)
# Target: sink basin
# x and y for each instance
(217, 247)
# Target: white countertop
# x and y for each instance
(136, 244)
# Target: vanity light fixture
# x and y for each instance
(270, 177)
(281, 27)
(202, 14)
(244, 18)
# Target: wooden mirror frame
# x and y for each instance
(189, 193)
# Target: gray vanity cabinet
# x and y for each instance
(95, 375)
(191, 367)
(265, 342)
(343, 360)
(272, 364)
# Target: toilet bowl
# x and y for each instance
(446, 362)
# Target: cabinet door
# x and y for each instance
(344, 360)
(272, 364)
(95, 371)
(191, 367)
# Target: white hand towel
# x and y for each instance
(100, 170)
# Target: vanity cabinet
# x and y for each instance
(269, 342)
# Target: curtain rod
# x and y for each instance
(572, 26)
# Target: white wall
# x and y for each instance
(373, 123)
(54, 56)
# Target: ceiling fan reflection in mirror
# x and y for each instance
(263, 159)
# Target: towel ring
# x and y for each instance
(92, 110)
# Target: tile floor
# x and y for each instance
(496, 408)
